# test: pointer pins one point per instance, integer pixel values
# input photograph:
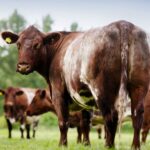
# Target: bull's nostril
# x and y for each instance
(28, 67)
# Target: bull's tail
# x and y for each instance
(122, 97)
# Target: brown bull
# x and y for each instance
(42, 103)
(90, 67)
(16, 102)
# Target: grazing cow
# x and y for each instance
(146, 117)
(90, 67)
(42, 103)
(16, 103)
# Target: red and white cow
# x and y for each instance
(16, 102)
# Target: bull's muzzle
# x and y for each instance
(23, 68)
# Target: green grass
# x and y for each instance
(48, 138)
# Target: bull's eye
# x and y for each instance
(18, 45)
(36, 46)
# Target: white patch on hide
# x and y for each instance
(22, 126)
(29, 94)
(31, 120)
(12, 120)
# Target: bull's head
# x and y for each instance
(40, 104)
(31, 45)
(10, 107)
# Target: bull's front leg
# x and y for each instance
(61, 107)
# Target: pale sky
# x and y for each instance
(88, 13)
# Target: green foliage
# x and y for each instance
(16, 22)
(127, 127)
(1, 105)
(47, 23)
(3, 25)
(3, 123)
(48, 120)
(74, 26)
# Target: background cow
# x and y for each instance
(42, 103)
(98, 63)
(16, 102)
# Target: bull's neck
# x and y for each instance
(49, 52)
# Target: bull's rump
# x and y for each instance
(94, 59)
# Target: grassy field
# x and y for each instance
(47, 139)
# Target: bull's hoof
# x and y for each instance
(135, 148)
(78, 141)
(109, 146)
(86, 143)
(62, 144)
(28, 137)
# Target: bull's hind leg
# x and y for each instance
(106, 93)
(110, 116)
(144, 135)
(111, 120)
(137, 94)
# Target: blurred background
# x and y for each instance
(56, 15)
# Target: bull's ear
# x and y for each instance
(20, 92)
(42, 93)
(9, 37)
(52, 38)
(2, 92)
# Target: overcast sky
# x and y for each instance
(88, 13)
